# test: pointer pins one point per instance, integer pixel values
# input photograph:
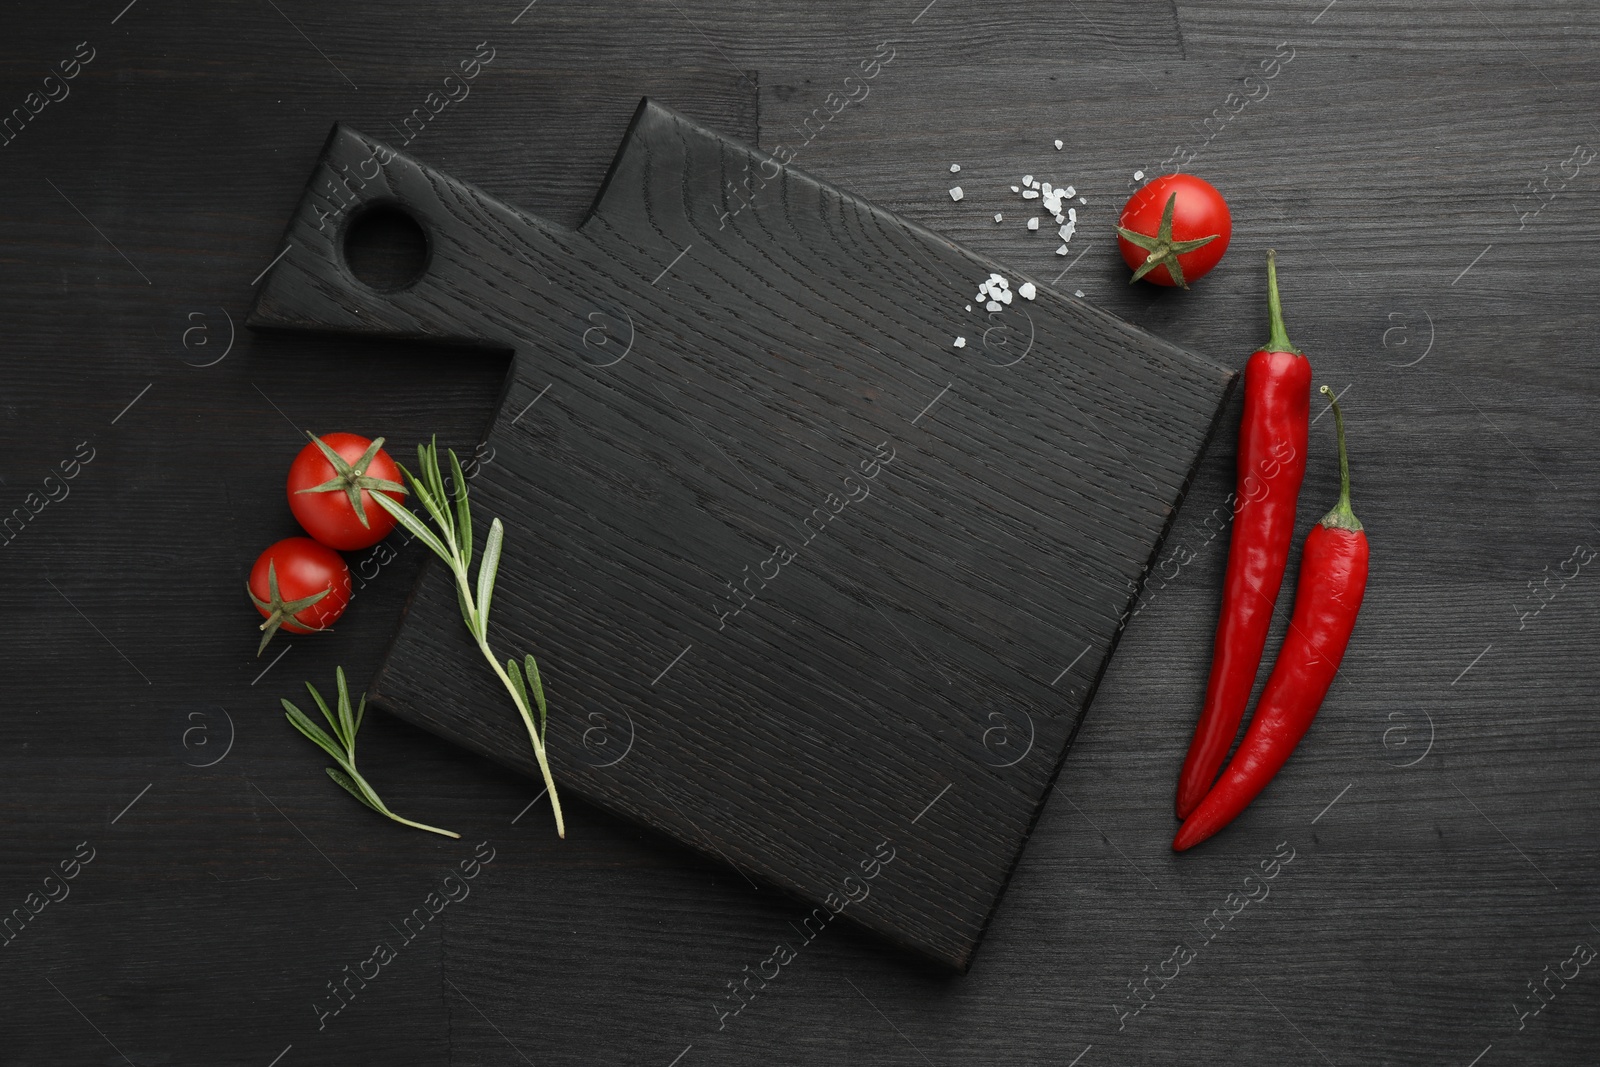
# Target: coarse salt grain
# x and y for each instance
(1083, 200)
(1138, 175)
(955, 168)
(961, 342)
(1027, 179)
(956, 193)
(1027, 194)
(1016, 188)
(1058, 144)
(997, 216)
(1077, 292)
(1061, 251)
(1033, 223)
(993, 305)
(1027, 290)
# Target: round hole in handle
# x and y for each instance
(386, 248)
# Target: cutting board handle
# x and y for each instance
(468, 233)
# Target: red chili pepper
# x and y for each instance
(1333, 577)
(1271, 466)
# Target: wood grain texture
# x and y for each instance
(1382, 164)
(943, 593)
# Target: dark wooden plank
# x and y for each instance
(810, 334)
(1540, 33)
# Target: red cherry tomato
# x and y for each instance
(1176, 219)
(300, 586)
(330, 490)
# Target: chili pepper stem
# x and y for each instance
(1279, 339)
(1341, 517)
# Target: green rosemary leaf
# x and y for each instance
(515, 674)
(487, 569)
(333, 720)
(346, 716)
(537, 684)
(354, 790)
(430, 470)
(463, 513)
(414, 525)
(318, 736)
(420, 489)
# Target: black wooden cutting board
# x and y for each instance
(803, 577)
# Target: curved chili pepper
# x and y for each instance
(1271, 466)
(1333, 577)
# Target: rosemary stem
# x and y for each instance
(475, 625)
(533, 735)
(422, 826)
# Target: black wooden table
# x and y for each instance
(1429, 177)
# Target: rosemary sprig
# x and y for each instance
(342, 747)
(453, 545)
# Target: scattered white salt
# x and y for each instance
(993, 305)
(1016, 189)
(1027, 194)
(1070, 192)
(1033, 223)
(1027, 179)
(1077, 292)
(1138, 175)
(1027, 290)
(997, 216)
(1058, 144)
(955, 168)
(956, 193)
(1005, 296)
(1061, 251)
(969, 307)
(961, 342)
(1072, 213)
(1083, 200)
